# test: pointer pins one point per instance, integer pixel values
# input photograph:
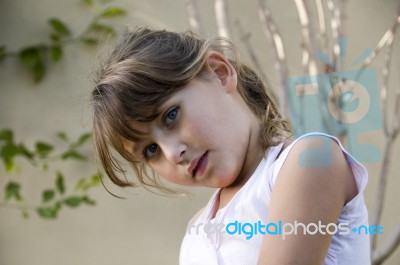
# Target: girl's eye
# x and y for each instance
(171, 116)
(150, 151)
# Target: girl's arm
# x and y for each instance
(314, 184)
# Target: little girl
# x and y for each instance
(185, 109)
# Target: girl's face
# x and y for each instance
(206, 135)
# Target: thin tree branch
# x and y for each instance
(342, 17)
(245, 37)
(389, 34)
(396, 117)
(335, 25)
(322, 26)
(390, 133)
(194, 17)
(384, 87)
(309, 43)
(272, 33)
(386, 249)
(310, 47)
(222, 16)
(380, 197)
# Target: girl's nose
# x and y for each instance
(174, 151)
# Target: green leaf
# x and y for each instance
(89, 40)
(30, 56)
(102, 28)
(9, 150)
(59, 26)
(25, 152)
(82, 139)
(33, 58)
(12, 190)
(46, 212)
(38, 72)
(2, 52)
(113, 12)
(6, 135)
(81, 185)
(72, 154)
(43, 149)
(25, 214)
(73, 201)
(95, 180)
(54, 37)
(88, 201)
(9, 164)
(50, 212)
(88, 2)
(7, 154)
(63, 136)
(56, 53)
(60, 185)
(48, 195)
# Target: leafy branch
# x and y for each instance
(52, 198)
(37, 57)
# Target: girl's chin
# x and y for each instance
(225, 181)
(217, 180)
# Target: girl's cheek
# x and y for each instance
(196, 128)
(164, 170)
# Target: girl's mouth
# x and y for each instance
(201, 165)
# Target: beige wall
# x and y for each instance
(144, 228)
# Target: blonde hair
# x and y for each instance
(145, 68)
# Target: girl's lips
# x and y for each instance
(199, 166)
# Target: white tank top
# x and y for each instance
(207, 242)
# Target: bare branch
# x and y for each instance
(335, 28)
(396, 117)
(383, 252)
(388, 36)
(342, 17)
(194, 17)
(384, 87)
(322, 25)
(222, 16)
(380, 198)
(390, 133)
(309, 42)
(272, 33)
(337, 18)
(245, 37)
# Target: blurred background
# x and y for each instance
(47, 214)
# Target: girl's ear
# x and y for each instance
(221, 67)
